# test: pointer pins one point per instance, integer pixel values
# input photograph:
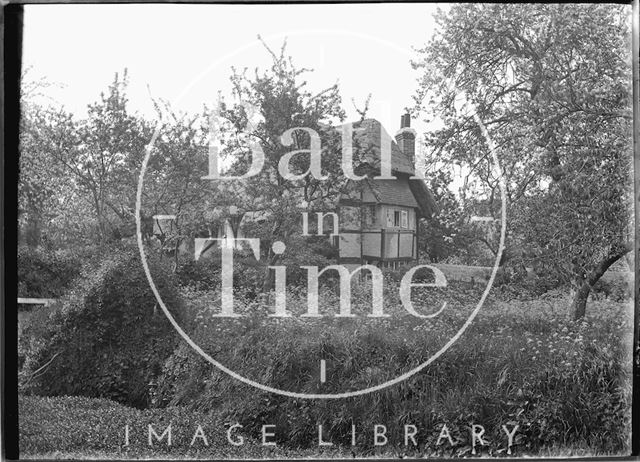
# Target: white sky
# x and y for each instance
(184, 52)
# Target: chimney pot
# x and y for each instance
(405, 121)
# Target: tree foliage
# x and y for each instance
(42, 191)
(283, 103)
(552, 85)
(449, 233)
(79, 175)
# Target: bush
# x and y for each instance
(110, 339)
(45, 273)
(249, 273)
(203, 274)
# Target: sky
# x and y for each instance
(184, 53)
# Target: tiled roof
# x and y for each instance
(395, 192)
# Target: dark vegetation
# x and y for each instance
(521, 362)
(110, 339)
(46, 273)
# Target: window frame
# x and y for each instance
(396, 218)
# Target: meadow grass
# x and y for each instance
(565, 383)
(523, 362)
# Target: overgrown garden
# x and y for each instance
(550, 352)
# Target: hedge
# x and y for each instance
(110, 338)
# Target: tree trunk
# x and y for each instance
(269, 276)
(579, 303)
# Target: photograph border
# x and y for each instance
(12, 35)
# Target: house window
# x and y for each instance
(396, 218)
(404, 219)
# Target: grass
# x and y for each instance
(521, 362)
(93, 428)
(565, 383)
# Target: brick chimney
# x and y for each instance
(406, 138)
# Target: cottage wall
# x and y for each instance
(378, 216)
(350, 244)
(386, 217)
(371, 246)
(377, 231)
(400, 225)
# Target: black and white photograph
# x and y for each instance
(322, 231)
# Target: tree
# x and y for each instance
(448, 233)
(78, 177)
(552, 84)
(103, 154)
(42, 187)
(283, 103)
(173, 183)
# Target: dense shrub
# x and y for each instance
(45, 273)
(33, 320)
(203, 274)
(110, 338)
(33, 325)
(249, 273)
